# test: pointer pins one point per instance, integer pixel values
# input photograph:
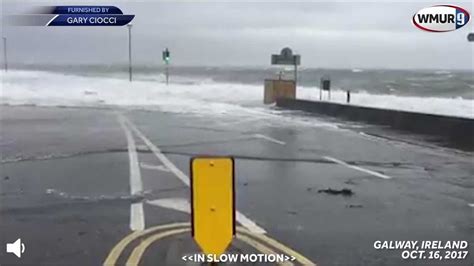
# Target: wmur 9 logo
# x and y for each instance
(441, 18)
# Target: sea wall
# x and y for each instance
(457, 131)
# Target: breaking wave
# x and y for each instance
(200, 97)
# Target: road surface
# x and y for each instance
(83, 186)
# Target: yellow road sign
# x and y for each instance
(212, 203)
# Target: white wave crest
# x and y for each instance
(204, 97)
(442, 106)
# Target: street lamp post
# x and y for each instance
(166, 59)
(130, 51)
(5, 53)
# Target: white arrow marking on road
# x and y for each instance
(242, 219)
(178, 204)
(367, 171)
(471, 205)
(261, 136)
(154, 167)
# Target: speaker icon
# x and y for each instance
(16, 248)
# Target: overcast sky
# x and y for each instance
(326, 34)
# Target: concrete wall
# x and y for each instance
(459, 132)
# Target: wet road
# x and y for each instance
(76, 182)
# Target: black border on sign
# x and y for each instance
(192, 188)
(233, 195)
(191, 194)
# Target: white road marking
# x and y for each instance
(249, 224)
(137, 215)
(136, 185)
(154, 167)
(470, 205)
(367, 171)
(179, 174)
(261, 136)
(178, 204)
(242, 219)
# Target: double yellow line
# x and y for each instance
(264, 244)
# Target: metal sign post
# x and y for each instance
(212, 203)
(5, 53)
(166, 59)
(286, 57)
(130, 51)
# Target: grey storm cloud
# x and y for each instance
(326, 34)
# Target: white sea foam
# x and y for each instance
(442, 72)
(431, 105)
(204, 97)
(52, 89)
